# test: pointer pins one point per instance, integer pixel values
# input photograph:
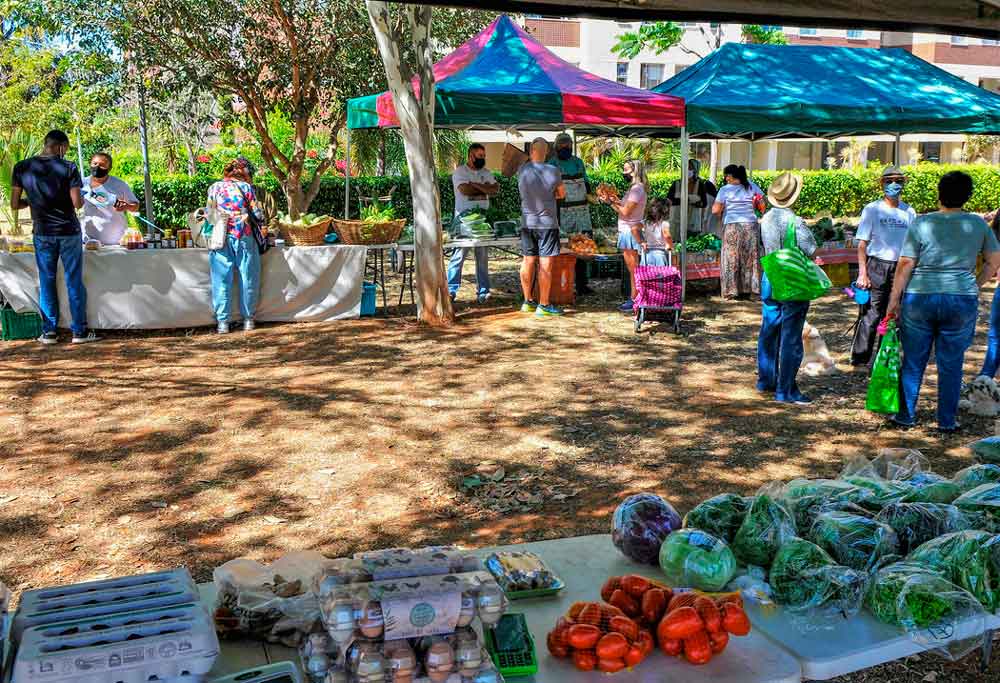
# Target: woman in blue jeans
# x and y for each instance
(936, 296)
(992, 360)
(234, 196)
(779, 346)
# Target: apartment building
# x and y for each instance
(588, 43)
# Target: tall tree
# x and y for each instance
(412, 86)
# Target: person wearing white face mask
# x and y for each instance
(883, 228)
(107, 198)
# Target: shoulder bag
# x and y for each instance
(793, 275)
(256, 225)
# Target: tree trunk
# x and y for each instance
(189, 150)
(416, 122)
(380, 162)
(713, 160)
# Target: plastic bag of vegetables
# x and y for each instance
(720, 515)
(931, 488)
(881, 491)
(767, 526)
(987, 450)
(984, 499)
(917, 523)
(806, 498)
(804, 577)
(969, 559)
(976, 475)
(854, 541)
(692, 558)
(939, 615)
(894, 464)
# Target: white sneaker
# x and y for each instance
(48, 338)
(88, 339)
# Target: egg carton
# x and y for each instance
(459, 658)
(99, 598)
(282, 672)
(402, 563)
(176, 644)
(408, 608)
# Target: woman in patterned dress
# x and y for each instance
(740, 269)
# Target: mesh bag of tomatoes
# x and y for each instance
(601, 637)
(697, 626)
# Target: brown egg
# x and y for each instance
(440, 661)
(402, 661)
(372, 623)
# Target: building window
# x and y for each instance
(990, 42)
(622, 76)
(855, 34)
(807, 32)
(958, 40)
(650, 75)
(770, 28)
(689, 24)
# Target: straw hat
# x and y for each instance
(784, 190)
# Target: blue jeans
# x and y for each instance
(242, 255)
(948, 323)
(48, 252)
(992, 360)
(482, 270)
(779, 346)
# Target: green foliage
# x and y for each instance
(658, 36)
(760, 35)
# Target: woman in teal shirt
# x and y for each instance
(936, 294)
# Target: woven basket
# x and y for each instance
(359, 232)
(305, 236)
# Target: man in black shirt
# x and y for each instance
(51, 188)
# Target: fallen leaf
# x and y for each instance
(327, 471)
(930, 677)
(124, 519)
(273, 520)
(158, 504)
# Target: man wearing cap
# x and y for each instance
(474, 184)
(574, 210)
(884, 224)
(779, 347)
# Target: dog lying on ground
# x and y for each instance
(981, 396)
(817, 360)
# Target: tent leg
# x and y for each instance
(898, 151)
(685, 153)
(347, 178)
(750, 160)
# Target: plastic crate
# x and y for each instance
(605, 267)
(368, 292)
(512, 664)
(17, 326)
(563, 292)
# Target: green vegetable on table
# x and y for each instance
(692, 558)
(987, 450)
(931, 488)
(984, 499)
(917, 523)
(969, 559)
(721, 515)
(855, 541)
(921, 607)
(881, 491)
(766, 527)
(806, 498)
(976, 475)
(803, 577)
(704, 242)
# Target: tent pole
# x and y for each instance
(898, 152)
(685, 153)
(347, 178)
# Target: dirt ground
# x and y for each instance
(155, 450)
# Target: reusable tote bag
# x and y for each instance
(883, 388)
(792, 274)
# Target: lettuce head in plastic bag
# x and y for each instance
(804, 577)
(855, 541)
(692, 558)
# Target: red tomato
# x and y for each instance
(612, 646)
(611, 666)
(583, 636)
(585, 660)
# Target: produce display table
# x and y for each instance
(172, 288)
(823, 257)
(584, 563)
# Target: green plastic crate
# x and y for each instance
(17, 326)
(512, 664)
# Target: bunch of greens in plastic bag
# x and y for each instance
(976, 475)
(881, 492)
(917, 523)
(806, 498)
(931, 488)
(857, 542)
(804, 577)
(987, 450)
(969, 559)
(767, 526)
(984, 499)
(892, 464)
(887, 585)
(720, 516)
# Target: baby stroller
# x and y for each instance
(658, 289)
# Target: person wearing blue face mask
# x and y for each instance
(883, 228)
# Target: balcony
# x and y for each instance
(554, 32)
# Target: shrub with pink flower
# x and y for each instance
(204, 158)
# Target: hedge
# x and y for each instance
(840, 192)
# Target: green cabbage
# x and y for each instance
(692, 558)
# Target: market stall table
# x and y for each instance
(171, 288)
(584, 563)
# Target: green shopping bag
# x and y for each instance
(883, 388)
(792, 274)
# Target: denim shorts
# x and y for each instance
(627, 241)
(540, 241)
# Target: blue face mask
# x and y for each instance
(564, 153)
(893, 190)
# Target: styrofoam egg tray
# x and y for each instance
(282, 672)
(99, 598)
(173, 644)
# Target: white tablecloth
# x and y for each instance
(171, 288)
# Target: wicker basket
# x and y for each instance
(359, 232)
(305, 236)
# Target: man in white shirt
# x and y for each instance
(474, 184)
(106, 199)
(884, 224)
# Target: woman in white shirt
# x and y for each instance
(739, 268)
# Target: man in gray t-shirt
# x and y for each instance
(541, 186)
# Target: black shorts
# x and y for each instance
(540, 242)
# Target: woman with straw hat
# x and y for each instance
(779, 347)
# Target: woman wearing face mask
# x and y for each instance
(631, 211)
(883, 227)
(739, 270)
(701, 194)
(106, 199)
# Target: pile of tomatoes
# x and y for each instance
(637, 615)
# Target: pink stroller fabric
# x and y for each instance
(657, 287)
